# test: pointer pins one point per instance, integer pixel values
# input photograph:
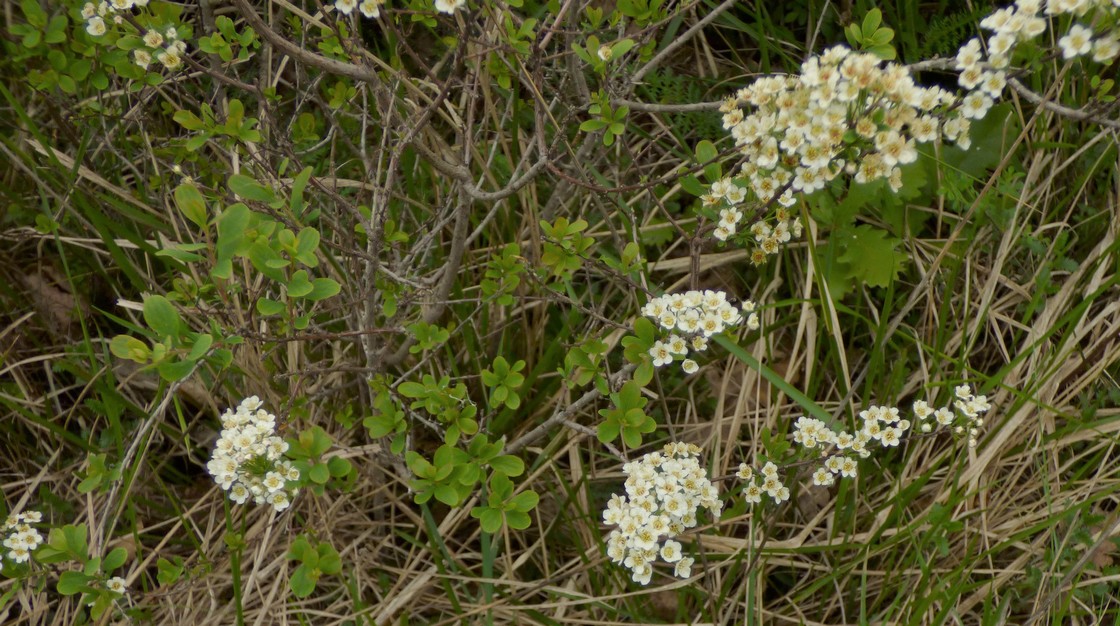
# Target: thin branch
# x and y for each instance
(679, 41)
(564, 415)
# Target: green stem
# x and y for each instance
(235, 545)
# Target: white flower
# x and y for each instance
(370, 8)
(346, 7)
(1105, 49)
(153, 39)
(822, 477)
(169, 59)
(116, 584)
(449, 6)
(605, 53)
(683, 568)
(141, 58)
(689, 366)
(661, 354)
(1077, 42)
(663, 492)
(95, 26)
(671, 551)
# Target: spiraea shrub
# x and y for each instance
(457, 311)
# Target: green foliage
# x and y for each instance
(627, 418)
(636, 349)
(236, 128)
(453, 473)
(583, 363)
(169, 572)
(427, 336)
(503, 381)
(450, 405)
(70, 543)
(503, 507)
(388, 418)
(503, 275)
(306, 452)
(172, 350)
(99, 476)
(612, 121)
(223, 41)
(315, 560)
(642, 12)
(518, 41)
(565, 246)
(871, 36)
(593, 54)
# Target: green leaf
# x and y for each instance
(201, 346)
(329, 561)
(188, 120)
(131, 348)
(490, 519)
(303, 581)
(871, 254)
(173, 371)
(608, 431)
(298, 285)
(319, 474)
(524, 501)
(299, 183)
(268, 307)
(249, 189)
(323, 288)
(518, 520)
(447, 494)
(871, 21)
(706, 151)
(508, 465)
(161, 316)
(338, 466)
(114, 559)
(168, 572)
(191, 204)
(72, 583)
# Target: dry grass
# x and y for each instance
(1022, 529)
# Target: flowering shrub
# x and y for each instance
(342, 201)
(20, 538)
(846, 112)
(664, 491)
(880, 427)
(161, 41)
(697, 315)
(372, 8)
(248, 458)
(986, 75)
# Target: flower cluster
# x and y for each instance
(771, 485)
(697, 315)
(881, 426)
(372, 8)
(368, 8)
(248, 458)
(966, 420)
(165, 47)
(1014, 24)
(20, 539)
(845, 112)
(664, 490)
